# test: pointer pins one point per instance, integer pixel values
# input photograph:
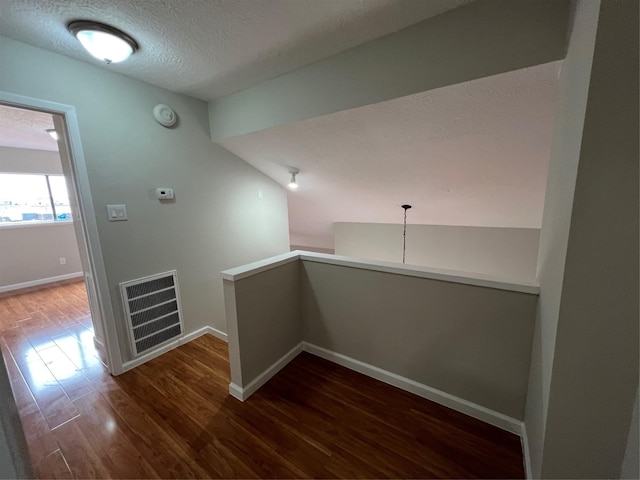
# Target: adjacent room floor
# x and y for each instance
(173, 418)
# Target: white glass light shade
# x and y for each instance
(103, 42)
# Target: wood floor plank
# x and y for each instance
(109, 437)
(40, 440)
(172, 417)
(157, 445)
(49, 395)
(340, 431)
(53, 465)
(21, 392)
(311, 456)
(20, 348)
(82, 458)
(68, 376)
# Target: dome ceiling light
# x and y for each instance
(102, 41)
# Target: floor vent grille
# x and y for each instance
(152, 308)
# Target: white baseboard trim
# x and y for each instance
(524, 440)
(203, 331)
(126, 366)
(170, 346)
(456, 403)
(42, 281)
(99, 344)
(218, 334)
(236, 392)
(243, 393)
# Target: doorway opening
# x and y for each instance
(39, 242)
(62, 208)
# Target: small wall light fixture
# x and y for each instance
(102, 41)
(52, 132)
(293, 184)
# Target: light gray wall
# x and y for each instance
(33, 252)
(217, 220)
(504, 252)
(595, 365)
(472, 342)
(26, 160)
(483, 38)
(267, 315)
(584, 372)
(561, 178)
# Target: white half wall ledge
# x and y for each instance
(466, 278)
(254, 268)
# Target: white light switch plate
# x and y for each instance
(117, 213)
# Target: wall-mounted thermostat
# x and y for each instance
(164, 193)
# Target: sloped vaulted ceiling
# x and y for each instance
(472, 154)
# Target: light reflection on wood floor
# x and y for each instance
(47, 344)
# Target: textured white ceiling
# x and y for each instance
(210, 48)
(472, 154)
(21, 128)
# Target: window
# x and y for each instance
(28, 198)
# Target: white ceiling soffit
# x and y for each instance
(20, 128)
(471, 154)
(211, 48)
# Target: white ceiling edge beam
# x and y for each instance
(484, 38)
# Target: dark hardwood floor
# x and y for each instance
(173, 418)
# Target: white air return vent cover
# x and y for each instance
(152, 308)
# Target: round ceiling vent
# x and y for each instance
(165, 115)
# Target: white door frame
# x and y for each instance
(80, 181)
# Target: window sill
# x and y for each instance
(11, 226)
